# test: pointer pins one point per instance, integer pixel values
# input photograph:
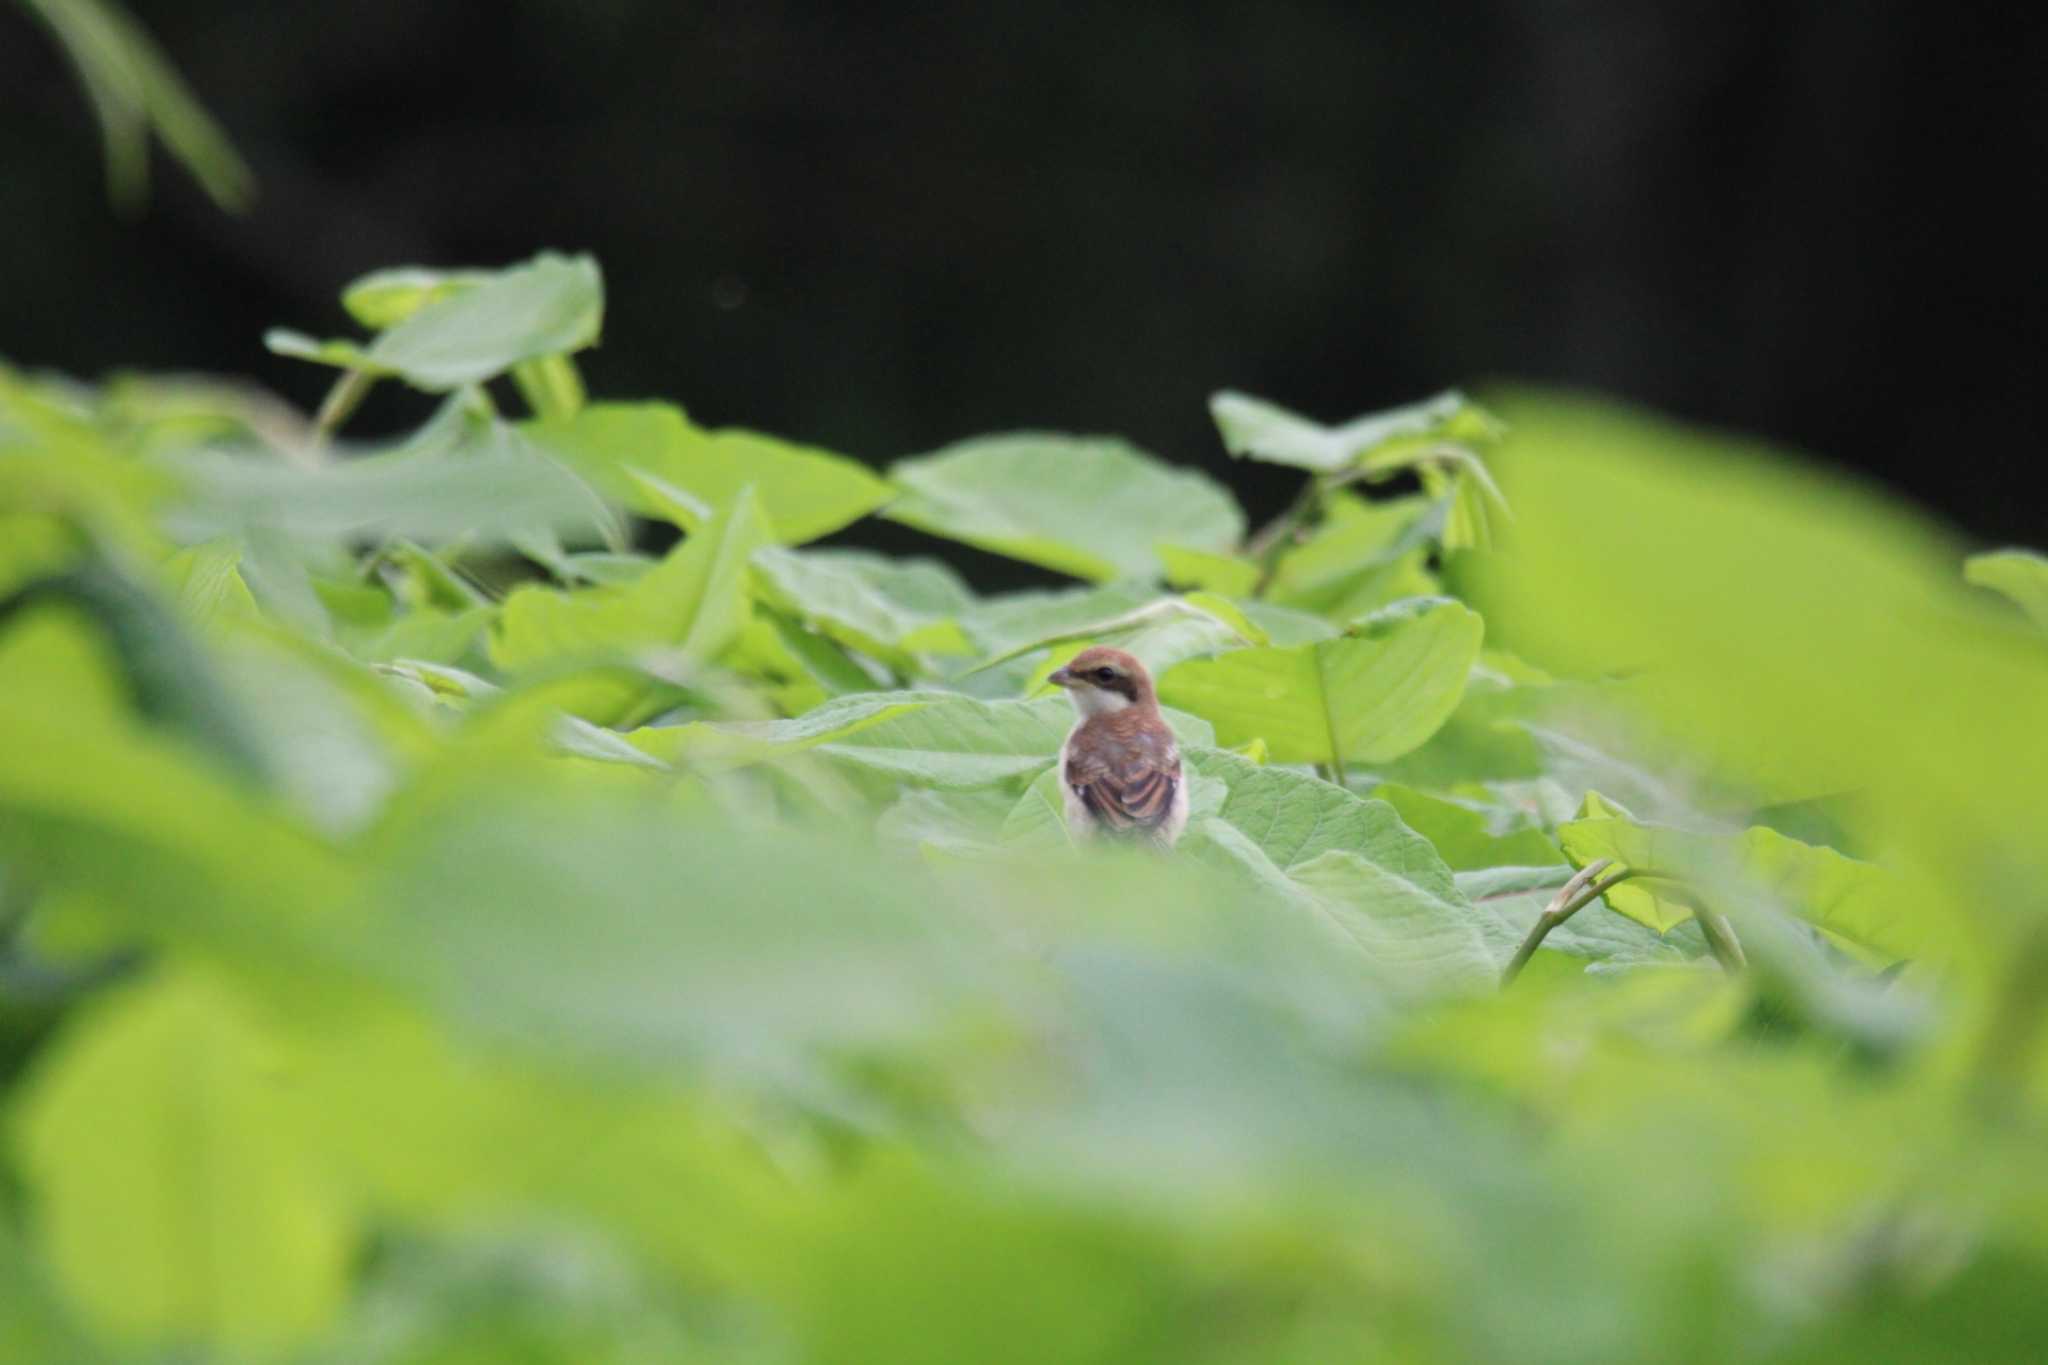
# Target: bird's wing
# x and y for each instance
(1133, 795)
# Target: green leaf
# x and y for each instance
(1227, 574)
(179, 1193)
(550, 305)
(725, 744)
(1009, 623)
(135, 90)
(345, 355)
(2020, 575)
(1093, 507)
(653, 459)
(385, 298)
(209, 583)
(878, 607)
(1510, 898)
(1265, 431)
(1160, 633)
(1676, 872)
(452, 337)
(1370, 696)
(1367, 879)
(959, 742)
(493, 489)
(691, 607)
(1462, 834)
(1361, 556)
(605, 929)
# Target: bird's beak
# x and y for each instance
(1060, 677)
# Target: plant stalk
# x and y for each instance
(1575, 895)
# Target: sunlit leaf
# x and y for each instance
(1369, 695)
(692, 606)
(653, 459)
(1676, 872)
(178, 1194)
(1093, 507)
(887, 611)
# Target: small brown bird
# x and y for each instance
(1120, 767)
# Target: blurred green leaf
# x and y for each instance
(457, 336)
(1265, 431)
(2019, 575)
(177, 1197)
(136, 91)
(1676, 872)
(1092, 507)
(1371, 695)
(692, 607)
(385, 298)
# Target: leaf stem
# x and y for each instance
(1277, 535)
(1721, 940)
(343, 398)
(1582, 890)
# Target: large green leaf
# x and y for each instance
(1368, 879)
(1361, 556)
(1677, 872)
(490, 487)
(735, 743)
(1370, 695)
(886, 610)
(1797, 629)
(178, 1194)
(1161, 633)
(1093, 507)
(1463, 832)
(465, 335)
(607, 929)
(691, 607)
(653, 459)
(2021, 575)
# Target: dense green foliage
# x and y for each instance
(438, 931)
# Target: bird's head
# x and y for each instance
(1101, 680)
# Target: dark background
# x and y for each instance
(882, 231)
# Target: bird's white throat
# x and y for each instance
(1097, 701)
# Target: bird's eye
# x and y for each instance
(1105, 675)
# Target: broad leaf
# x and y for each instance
(1464, 834)
(385, 298)
(653, 459)
(1369, 696)
(691, 607)
(888, 611)
(1371, 882)
(1677, 872)
(1093, 507)
(465, 336)
(179, 1193)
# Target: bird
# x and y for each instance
(1120, 767)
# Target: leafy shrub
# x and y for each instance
(439, 930)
